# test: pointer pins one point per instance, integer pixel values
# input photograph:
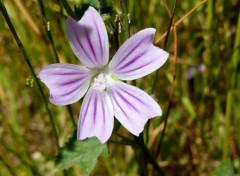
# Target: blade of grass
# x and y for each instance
(230, 98)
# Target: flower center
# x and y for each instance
(101, 82)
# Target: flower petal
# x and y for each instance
(138, 57)
(88, 38)
(67, 83)
(132, 106)
(96, 116)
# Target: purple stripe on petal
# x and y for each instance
(104, 116)
(86, 109)
(65, 74)
(140, 67)
(132, 61)
(90, 44)
(95, 109)
(80, 44)
(137, 46)
(120, 107)
(99, 38)
(77, 87)
(126, 101)
(71, 82)
(133, 96)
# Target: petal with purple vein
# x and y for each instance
(88, 38)
(67, 82)
(96, 116)
(132, 106)
(137, 57)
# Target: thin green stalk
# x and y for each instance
(71, 115)
(230, 99)
(46, 25)
(148, 155)
(143, 157)
(22, 49)
(68, 9)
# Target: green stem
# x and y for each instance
(230, 100)
(46, 25)
(143, 157)
(148, 155)
(71, 115)
(68, 9)
(61, 8)
(22, 49)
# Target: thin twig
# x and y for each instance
(171, 93)
(180, 20)
(156, 74)
(165, 45)
(174, 76)
(166, 6)
(175, 66)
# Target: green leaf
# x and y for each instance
(83, 153)
(224, 169)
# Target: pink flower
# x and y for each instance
(106, 96)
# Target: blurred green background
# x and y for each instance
(204, 122)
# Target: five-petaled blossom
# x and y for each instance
(106, 96)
